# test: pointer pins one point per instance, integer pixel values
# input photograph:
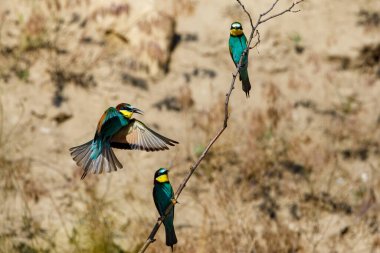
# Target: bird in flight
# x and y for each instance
(117, 129)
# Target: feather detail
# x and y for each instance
(237, 45)
(162, 196)
(106, 161)
(246, 85)
(137, 135)
(111, 117)
(116, 131)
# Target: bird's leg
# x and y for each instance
(174, 201)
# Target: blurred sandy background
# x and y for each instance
(296, 171)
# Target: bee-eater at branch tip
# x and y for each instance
(237, 44)
(117, 129)
(163, 195)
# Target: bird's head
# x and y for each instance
(127, 110)
(236, 29)
(161, 176)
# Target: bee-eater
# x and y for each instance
(163, 195)
(237, 44)
(117, 129)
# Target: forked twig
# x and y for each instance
(258, 40)
(290, 9)
(226, 112)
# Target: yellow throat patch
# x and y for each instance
(162, 179)
(126, 113)
(236, 32)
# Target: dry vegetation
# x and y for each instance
(296, 171)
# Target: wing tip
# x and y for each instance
(172, 143)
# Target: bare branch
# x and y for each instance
(258, 40)
(283, 12)
(246, 12)
(270, 9)
(226, 113)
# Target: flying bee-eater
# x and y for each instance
(237, 44)
(117, 129)
(163, 195)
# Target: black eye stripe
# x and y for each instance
(236, 27)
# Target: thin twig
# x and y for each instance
(246, 12)
(226, 115)
(270, 9)
(258, 40)
(283, 12)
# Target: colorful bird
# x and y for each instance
(116, 129)
(237, 44)
(163, 195)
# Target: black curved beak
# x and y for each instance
(136, 110)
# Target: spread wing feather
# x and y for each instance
(136, 135)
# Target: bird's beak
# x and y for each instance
(136, 110)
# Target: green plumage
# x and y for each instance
(162, 196)
(110, 123)
(116, 129)
(97, 155)
(237, 45)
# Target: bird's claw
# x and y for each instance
(174, 201)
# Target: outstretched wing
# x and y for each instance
(136, 135)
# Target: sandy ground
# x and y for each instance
(309, 69)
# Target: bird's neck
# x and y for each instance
(126, 114)
(162, 184)
(236, 33)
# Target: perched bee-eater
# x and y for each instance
(117, 129)
(237, 44)
(163, 195)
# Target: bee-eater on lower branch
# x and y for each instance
(237, 45)
(163, 195)
(117, 129)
